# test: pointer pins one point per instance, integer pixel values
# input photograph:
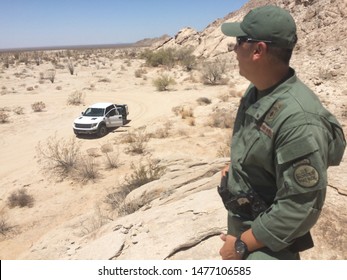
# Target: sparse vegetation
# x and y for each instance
(163, 82)
(204, 101)
(50, 75)
(137, 140)
(4, 117)
(4, 226)
(75, 98)
(147, 170)
(112, 158)
(21, 199)
(38, 106)
(18, 110)
(70, 66)
(213, 71)
(86, 169)
(222, 118)
(59, 156)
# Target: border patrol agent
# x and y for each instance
(283, 142)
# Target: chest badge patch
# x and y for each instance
(266, 130)
(276, 108)
(306, 176)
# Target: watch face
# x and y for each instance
(240, 247)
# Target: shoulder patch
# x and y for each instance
(306, 176)
(275, 109)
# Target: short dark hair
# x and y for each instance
(283, 55)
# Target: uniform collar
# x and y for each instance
(262, 106)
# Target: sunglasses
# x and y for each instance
(245, 39)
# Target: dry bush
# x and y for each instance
(105, 80)
(4, 117)
(4, 226)
(144, 172)
(18, 110)
(137, 140)
(163, 132)
(111, 157)
(222, 118)
(86, 169)
(50, 75)
(224, 149)
(20, 198)
(212, 72)
(70, 66)
(116, 200)
(163, 82)
(186, 113)
(75, 98)
(140, 72)
(204, 101)
(59, 156)
(147, 170)
(38, 106)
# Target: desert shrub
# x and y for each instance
(38, 106)
(140, 72)
(20, 198)
(4, 117)
(111, 157)
(59, 156)
(163, 57)
(186, 58)
(116, 200)
(213, 71)
(224, 148)
(163, 82)
(183, 111)
(75, 98)
(147, 170)
(222, 118)
(50, 75)
(105, 80)
(163, 132)
(203, 101)
(137, 140)
(71, 67)
(19, 110)
(4, 226)
(86, 169)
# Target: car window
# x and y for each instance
(94, 112)
(111, 113)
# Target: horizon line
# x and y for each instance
(70, 47)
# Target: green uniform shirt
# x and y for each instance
(281, 148)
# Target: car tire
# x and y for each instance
(102, 130)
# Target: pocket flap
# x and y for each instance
(297, 149)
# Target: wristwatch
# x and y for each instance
(241, 247)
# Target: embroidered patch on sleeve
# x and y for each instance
(306, 176)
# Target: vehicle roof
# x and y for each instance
(101, 105)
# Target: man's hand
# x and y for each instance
(227, 251)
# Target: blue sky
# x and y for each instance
(41, 23)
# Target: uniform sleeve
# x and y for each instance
(301, 178)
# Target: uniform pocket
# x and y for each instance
(296, 149)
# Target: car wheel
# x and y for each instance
(102, 130)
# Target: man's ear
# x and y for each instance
(259, 50)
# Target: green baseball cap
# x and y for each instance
(267, 23)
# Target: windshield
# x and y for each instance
(94, 112)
